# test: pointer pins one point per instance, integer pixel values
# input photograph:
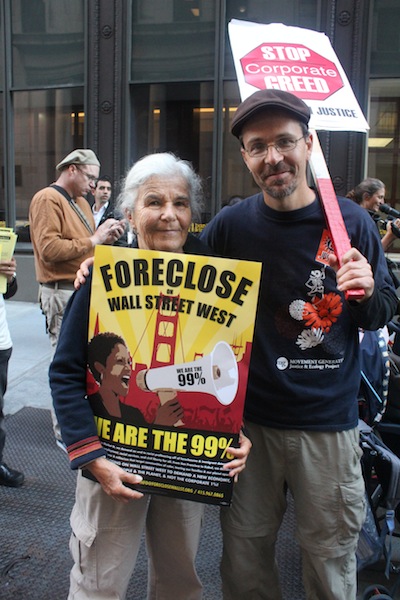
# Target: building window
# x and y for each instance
(384, 136)
(172, 40)
(48, 124)
(47, 43)
(174, 117)
(384, 109)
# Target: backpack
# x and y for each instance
(393, 399)
(375, 371)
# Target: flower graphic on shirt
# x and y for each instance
(322, 313)
(319, 315)
(309, 338)
(316, 315)
(296, 309)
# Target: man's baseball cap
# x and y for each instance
(79, 157)
(263, 100)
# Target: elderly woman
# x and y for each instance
(161, 195)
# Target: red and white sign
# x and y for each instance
(293, 68)
(300, 61)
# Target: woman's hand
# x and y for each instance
(240, 454)
(113, 480)
(8, 268)
(83, 273)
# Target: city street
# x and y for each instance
(34, 521)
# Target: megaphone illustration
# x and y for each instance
(216, 373)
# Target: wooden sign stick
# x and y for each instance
(333, 216)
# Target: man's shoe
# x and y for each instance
(10, 477)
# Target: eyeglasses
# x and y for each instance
(90, 177)
(283, 145)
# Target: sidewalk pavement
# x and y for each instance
(28, 386)
(28, 367)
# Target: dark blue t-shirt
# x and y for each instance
(304, 371)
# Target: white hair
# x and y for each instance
(162, 164)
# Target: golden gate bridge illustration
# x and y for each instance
(198, 384)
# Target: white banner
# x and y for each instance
(300, 61)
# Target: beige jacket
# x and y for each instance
(60, 239)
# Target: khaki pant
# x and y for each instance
(323, 473)
(106, 537)
(53, 302)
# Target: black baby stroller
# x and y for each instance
(380, 463)
(381, 469)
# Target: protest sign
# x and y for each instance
(8, 239)
(183, 328)
(302, 62)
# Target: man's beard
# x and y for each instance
(278, 189)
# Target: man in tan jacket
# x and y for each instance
(63, 234)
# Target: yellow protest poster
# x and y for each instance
(181, 328)
(8, 240)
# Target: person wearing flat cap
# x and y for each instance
(301, 409)
(63, 234)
